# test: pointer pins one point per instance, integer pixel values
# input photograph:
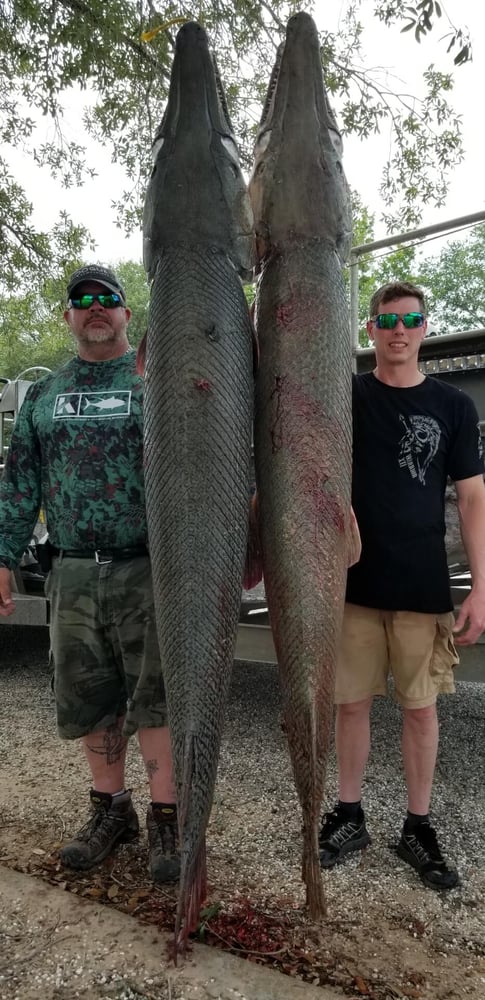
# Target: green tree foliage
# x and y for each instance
(421, 19)
(362, 233)
(453, 281)
(133, 278)
(49, 48)
(32, 332)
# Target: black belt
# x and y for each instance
(102, 555)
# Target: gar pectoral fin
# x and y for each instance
(355, 543)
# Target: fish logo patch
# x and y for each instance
(93, 405)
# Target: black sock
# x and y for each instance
(414, 819)
(100, 796)
(351, 809)
(165, 810)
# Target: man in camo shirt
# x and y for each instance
(76, 451)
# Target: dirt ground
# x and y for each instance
(386, 936)
(60, 947)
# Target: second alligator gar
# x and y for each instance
(303, 407)
(198, 418)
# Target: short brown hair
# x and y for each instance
(396, 290)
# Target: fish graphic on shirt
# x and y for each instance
(111, 403)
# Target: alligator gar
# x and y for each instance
(302, 431)
(198, 237)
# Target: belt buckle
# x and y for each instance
(99, 559)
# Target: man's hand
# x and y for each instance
(7, 606)
(470, 622)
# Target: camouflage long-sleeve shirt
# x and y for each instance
(76, 451)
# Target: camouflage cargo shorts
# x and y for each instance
(104, 646)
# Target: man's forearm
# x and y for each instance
(472, 526)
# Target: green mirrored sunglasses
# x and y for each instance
(108, 300)
(387, 321)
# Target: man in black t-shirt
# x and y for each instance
(410, 433)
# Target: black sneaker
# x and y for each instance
(163, 846)
(340, 836)
(419, 847)
(111, 823)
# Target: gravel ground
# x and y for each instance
(386, 936)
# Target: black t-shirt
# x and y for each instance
(406, 442)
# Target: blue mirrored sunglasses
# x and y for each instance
(108, 301)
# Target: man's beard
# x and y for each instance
(97, 335)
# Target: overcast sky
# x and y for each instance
(399, 54)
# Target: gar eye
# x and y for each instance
(263, 142)
(156, 148)
(230, 148)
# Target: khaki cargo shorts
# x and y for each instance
(417, 649)
(104, 647)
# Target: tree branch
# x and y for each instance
(78, 6)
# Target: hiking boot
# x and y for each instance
(111, 823)
(163, 846)
(419, 847)
(340, 836)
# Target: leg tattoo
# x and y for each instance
(152, 767)
(113, 744)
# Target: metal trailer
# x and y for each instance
(27, 579)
